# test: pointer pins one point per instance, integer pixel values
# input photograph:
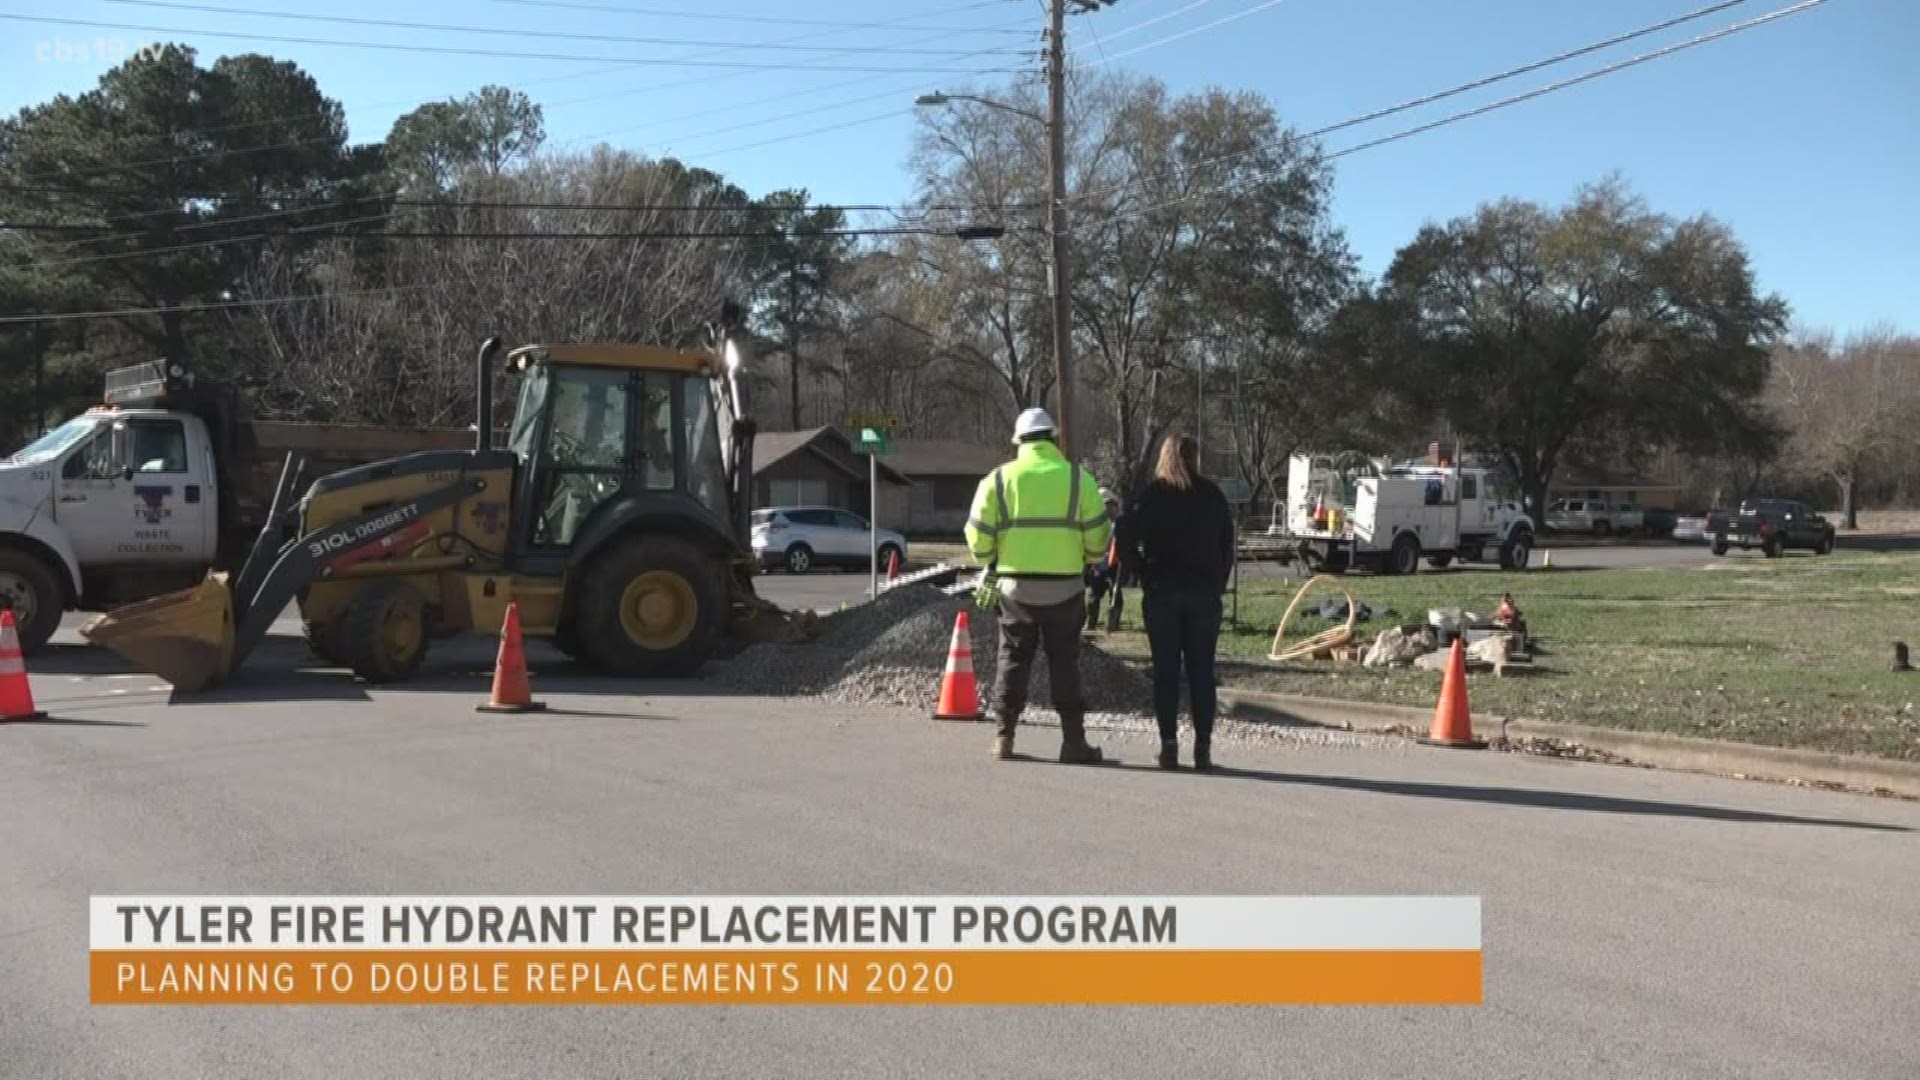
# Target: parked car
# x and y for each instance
(1596, 516)
(800, 538)
(1626, 518)
(1691, 530)
(1773, 526)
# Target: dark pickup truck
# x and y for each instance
(1773, 526)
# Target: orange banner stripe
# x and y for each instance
(791, 977)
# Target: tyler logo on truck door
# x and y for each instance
(152, 507)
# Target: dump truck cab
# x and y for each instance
(614, 522)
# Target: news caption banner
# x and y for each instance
(772, 950)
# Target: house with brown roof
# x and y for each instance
(926, 485)
(945, 473)
(817, 467)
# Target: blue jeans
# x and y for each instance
(1183, 627)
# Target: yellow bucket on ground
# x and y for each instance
(184, 637)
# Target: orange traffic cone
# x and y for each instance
(16, 695)
(893, 565)
(1452, 721)
(959, 693)
(510, 691)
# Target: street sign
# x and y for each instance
(872, 441)
(1237, 491)
(882, 421)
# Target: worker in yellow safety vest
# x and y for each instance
(1037, 524)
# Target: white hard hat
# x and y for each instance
(1032, 422)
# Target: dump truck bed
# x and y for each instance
(260, 447)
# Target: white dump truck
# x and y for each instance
(147, 491)
(1348, 510)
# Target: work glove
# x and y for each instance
(986, 597)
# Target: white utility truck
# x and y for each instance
(1347, 510)
(143, 493)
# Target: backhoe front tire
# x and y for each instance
(382, 635)
(649, 606)
(324, 640)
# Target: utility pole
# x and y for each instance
(793, 341)
(1057, 201)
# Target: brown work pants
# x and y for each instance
(1026, 629)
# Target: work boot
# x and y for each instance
(1203, 757)
(1003, 748)
(1080, 753)
(1170, 754)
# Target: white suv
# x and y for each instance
(799, 538)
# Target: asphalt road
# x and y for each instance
(1637, 924)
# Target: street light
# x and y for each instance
(938, 98)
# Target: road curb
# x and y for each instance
(1656, 749)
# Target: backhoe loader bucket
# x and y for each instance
(766, 623)
(184, 637)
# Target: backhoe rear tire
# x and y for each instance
(382, 635)
(649, 606)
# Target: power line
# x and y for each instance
(890, 113)
(290, 144)
(425, 205)
(903, 23)
(1139, 26)
(1515, 99)
(1171, 38)
(122, 313)
(1453, 91)
(519, 32)
(450, 50)
(717, 16)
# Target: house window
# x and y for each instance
(798, 493)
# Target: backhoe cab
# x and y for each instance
(616, 519)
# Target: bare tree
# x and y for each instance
(1848, 407)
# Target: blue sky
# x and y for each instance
(1803, 134)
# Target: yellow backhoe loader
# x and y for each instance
(617, 518)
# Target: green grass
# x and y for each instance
(1788, 652)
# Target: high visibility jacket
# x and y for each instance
(1039, 515)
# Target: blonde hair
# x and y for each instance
(1179, 461)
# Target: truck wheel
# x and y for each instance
(1601, 528)
(324, 640)
(1517, 550)
(1405, 556)
(382, 635)
(1440, 562)
(1771, 547)
(1826, 545)
(651, 605)
(1720, 547)
(29, 587)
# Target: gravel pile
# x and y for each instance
(893, 650)
(890, 653)
(809, 668)
(903, 664)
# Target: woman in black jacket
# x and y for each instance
(1177, 536)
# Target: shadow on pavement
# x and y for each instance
(283, 670)
(1545, 800)
(73, 721)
